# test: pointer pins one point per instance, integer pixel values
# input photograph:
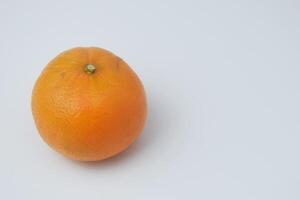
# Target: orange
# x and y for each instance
(88, 104)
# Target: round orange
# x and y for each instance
(88, 104)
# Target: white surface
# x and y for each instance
(222, 79)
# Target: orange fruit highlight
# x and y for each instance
(88, 104)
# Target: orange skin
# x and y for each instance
(88, 114)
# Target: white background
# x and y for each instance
(222, 80)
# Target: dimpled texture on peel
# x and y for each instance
(88, 117)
